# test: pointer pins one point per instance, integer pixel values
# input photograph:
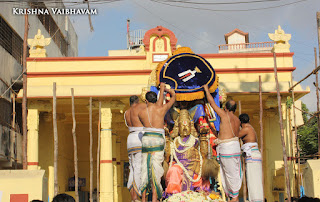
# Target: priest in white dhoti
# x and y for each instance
(228, 149)
(134, 146)
(252, 159)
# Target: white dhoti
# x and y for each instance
(134, 147)
(253, 171)
(153, 143)
(229, 153)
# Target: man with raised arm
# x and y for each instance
(252, 158)
(134, 145)
(153, 141)
(228, 149)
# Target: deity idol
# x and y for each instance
(188, 167)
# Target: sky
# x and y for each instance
(203, 26)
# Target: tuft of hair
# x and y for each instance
(151, 97)
(244, 118)
(231, 105)
(210, 168)
(63, 198)
(134, 99)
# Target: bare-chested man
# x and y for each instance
(252, 159)
(153, 141)
(228, 149)
(134, 145)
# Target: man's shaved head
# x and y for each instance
(231, 106)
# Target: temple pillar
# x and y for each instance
(114, 164)
(51, 182)
(33, 139)
(118, 142)
(106, 167)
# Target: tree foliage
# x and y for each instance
(308, 134)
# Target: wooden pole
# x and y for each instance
(318, 26)
(24, 98)
(98, 154)
(89, 16)
(292, 147)
(314, 83)
(296, 134)
(14, 130)
(55, 137)
(244, 181)
(317, 93)
(75, 153)
(91, 158)
(313, 72)
(303, 111)
(261, 127)
(281, 129)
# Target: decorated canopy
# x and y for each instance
(186, 73)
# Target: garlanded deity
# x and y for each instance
(187, 155)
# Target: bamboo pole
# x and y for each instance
(55, 137)
(75, 153)
(98, 154)
(261, 127)
(24, 98)
(317, 93)
(281, 129)
(91, 158)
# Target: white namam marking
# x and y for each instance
(188, 74)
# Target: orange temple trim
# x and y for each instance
(88, 73)
(58, 59)
(147, 72)
(245, 55)
(106, 161)
(33, 163)
(254, 70)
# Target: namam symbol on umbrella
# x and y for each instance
(188, 74)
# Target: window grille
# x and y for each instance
(11, 41)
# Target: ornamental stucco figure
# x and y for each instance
(37, 45)
(281, 40)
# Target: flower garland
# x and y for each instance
(189, 144)
(193, 196)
